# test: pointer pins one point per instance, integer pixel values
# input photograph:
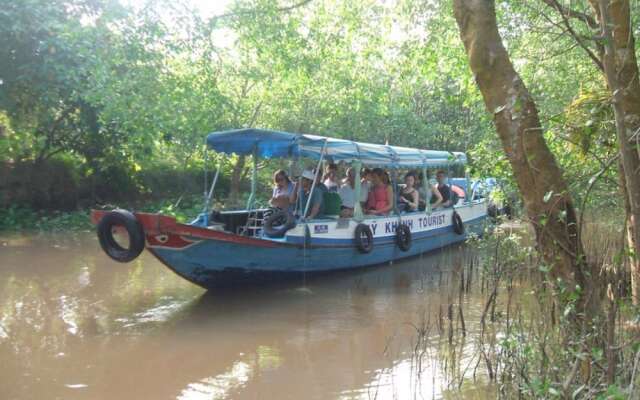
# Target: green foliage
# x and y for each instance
(121, 93)
(535, 351)
(17, 218)
(583, 138)
(105, 103)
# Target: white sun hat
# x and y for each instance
(307, 173)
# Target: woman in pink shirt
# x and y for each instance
(381, 194)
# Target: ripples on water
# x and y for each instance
(75, 325)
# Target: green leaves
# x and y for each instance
(115, 87)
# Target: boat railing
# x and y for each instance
(253, 227)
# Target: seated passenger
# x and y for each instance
(381, 194)
(457, 193)
(319, 184)
(282, 190)
(347, 194)
(365, 188)
(444, 190)
(316, 204)
(319, 187)
(408, 196)
(429, 193)
(330, 178)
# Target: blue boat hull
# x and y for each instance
(213, 263)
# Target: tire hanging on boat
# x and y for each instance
(492, 210)
(403, 237)
(134, 229)
(508, 211)
(278, 223)
(458, 227)
(364, 238)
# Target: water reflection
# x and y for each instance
(220, 386)
(73, 324)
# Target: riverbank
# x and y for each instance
(530, 345)
(23, 219)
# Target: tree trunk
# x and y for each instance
(236, 178)
(634, 261)
(547, 202)
(621, 72)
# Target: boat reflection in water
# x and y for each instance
(74, 326)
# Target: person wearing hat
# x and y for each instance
(316, 205)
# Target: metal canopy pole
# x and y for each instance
(394, 187)
(315, 179)
(206, 176)
(467, 193)
(254, 179)
(427, 190)
(394, 181)
(298, 187)
(358, 215)
(449, 183)
(213, 185)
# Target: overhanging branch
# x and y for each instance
(216, 18)
(566, 13)
(570, 13)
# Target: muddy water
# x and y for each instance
(76, 325)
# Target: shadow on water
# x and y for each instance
(76, 325)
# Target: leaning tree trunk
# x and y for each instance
(621, 71)
(547, 202)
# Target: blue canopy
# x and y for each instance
(275, 144)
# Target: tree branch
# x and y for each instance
(592, 183)
(51, 133)
(587, 19)
(215, 18)
(565, 13)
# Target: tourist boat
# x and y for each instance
(234, 247)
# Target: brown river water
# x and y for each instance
(76, 325)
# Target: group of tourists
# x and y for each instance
(377, 196)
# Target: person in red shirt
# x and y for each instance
(381, 194)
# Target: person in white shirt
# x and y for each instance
(348, 195)
(365, 181)
(330, 178)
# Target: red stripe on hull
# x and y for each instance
(169, 240)
(157, 224)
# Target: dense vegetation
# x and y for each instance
(103, 103)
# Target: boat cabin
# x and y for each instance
(301, 148)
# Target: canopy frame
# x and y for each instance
(275, 144)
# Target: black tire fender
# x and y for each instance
(492, 210)
(278, 223)
(134, 229)
(403, 237)
(363, 238)
(508, 211)
(458, 226)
